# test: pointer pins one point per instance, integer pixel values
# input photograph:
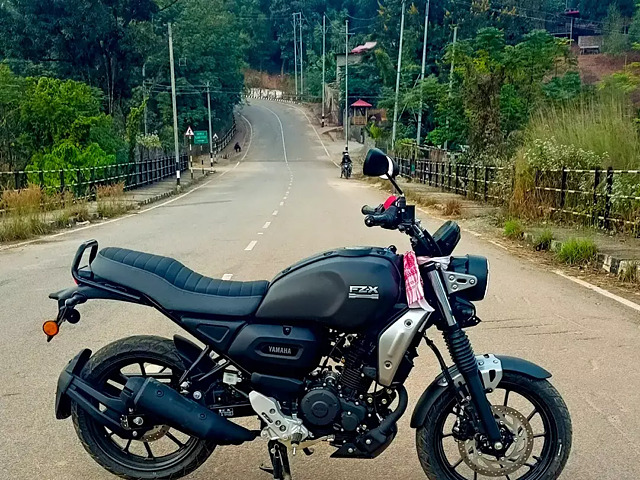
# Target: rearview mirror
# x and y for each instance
(378, 164)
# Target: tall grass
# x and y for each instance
(602, 123)
(110, 200)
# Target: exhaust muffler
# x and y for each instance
(164, 404)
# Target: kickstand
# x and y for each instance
(279, 460)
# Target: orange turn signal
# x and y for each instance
(50, 328)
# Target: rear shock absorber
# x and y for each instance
(462, 355)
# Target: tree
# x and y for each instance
(616, 42)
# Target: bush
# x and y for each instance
(629, 273)
(23, 217)
(543, 240)
(110, 200)
(452, 208)
(577, 251)
(513, 229)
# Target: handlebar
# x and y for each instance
(369, 210)
(388, 219)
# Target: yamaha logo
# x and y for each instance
(364, 292)
(280, 350)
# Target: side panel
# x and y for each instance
(433, 391)
(287, 351)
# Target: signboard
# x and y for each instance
(201, 137)
(189, 132)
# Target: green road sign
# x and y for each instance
(200, 137)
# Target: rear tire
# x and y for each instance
(95, 438)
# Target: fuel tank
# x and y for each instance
(348, 289)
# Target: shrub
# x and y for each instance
(452, 208)
(513, 229)
(543, 240)
(629, 273)
(577, 251)
(110, 200)
(23, 217)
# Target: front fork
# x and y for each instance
(462, 355)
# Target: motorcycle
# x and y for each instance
(319, 354)
(346, 167)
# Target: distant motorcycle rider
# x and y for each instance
(346, 164)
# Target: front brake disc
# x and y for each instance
(515, 456)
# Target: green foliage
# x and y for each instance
(562, 88)
(600, 126)
(616, 42)
(577, 251)
(513, 229)
(543, 240)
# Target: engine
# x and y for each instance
(326, 410)
(338, 402)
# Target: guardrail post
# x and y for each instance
(607, 198)
(61, 181)
(457, 177)
(596, 182)
(41, 176)
(92, 182)
(563, 187)
(486, 182)
(16, 179)
(79, 191)
(475, 180)
(449, 177)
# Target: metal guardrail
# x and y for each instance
(606, 198)
(83, 182)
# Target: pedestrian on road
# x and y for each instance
(237, 147)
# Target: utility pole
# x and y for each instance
(424, 60)
(146, 98)
(324, 34)
(453, 59)
(346, 83)
(395, 107)
(210, 131)
(175, 107)
(295, 51)
(301, 56)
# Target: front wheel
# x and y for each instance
(530, 409)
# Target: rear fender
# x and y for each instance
(439, 387)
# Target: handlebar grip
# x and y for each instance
(384, 220)
(369, 210)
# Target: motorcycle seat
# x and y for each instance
(176, 287)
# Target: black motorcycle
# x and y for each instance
(346, 167)
(320, 353)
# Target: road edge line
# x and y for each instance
(601, 291)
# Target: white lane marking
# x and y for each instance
(599, 290)
(498, 245)
(275, 212)
(260, 233)
(227, 276)
(284, 147)
(251, 245)
(266, 225)
(317, 135)
(281, 204)
(75, 230)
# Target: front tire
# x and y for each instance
(156, 357)
(444, 458)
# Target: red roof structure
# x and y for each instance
(361, 103)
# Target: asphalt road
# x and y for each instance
(283, 202)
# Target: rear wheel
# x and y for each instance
(162, 452)
(534, 414)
